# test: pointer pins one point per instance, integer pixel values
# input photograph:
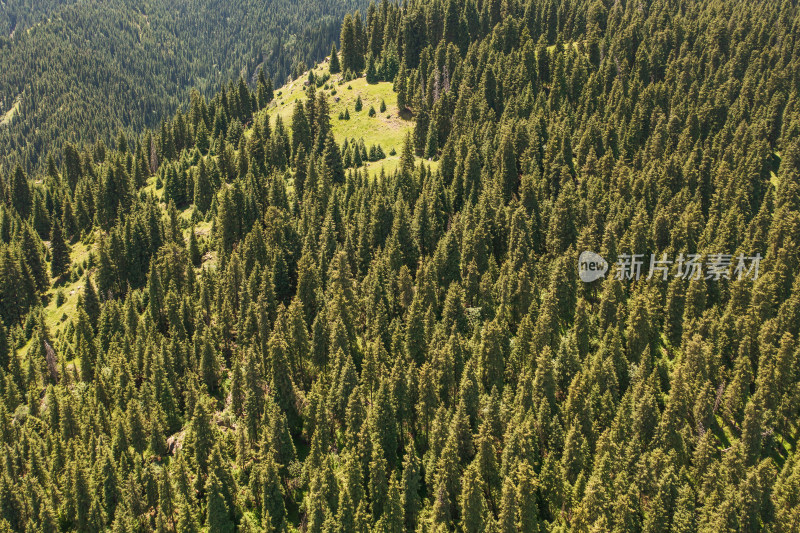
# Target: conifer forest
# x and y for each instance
(448, 266)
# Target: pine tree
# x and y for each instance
(279, 377)
(378, 483)
(227, 223)
(264, 90)
(489, 87)
(507, 176)
(90, 303)
(410, 486)
(34, 259)
(301, 174)
(208, 365)
(195, 255)
(421, 130)
(401, 88)
(59, 252)
(392, 519)
(81, 498)
(432, 142)
(217, 512)
(334, 170)
(203, 192)
(273, 509)
(245, 104)
(407, 158)
(72, 165)
(201, 138)
(69, 224)
(349, 45)
(5, 352)
(473, 505)
(20, 193)
(372, 73)
(270, 92)
(201, 436)
(528, 520)
(334, 67)
(301, 130)
(507, 521)
(40, 218)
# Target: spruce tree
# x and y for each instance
(59, 252)
(334, 67)
(40, 218)
(20, 193)
(5, 352)
(472, 503)
(421, 131)
(217, 512)
(301, 130)
(90, 302)
(401, 88)
(273, 509)
(208, 365)
(410, 487)
(270, 92)
(372, 73)
(34, 259)
(195, 255)
(334, 170)
(201, 140)
(203, 192)
(349, 45)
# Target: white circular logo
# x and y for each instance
(591, 266)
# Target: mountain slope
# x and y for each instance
(123, 65)
(258, 334)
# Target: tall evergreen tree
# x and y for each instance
(203, 192)
(334, 66)
(59, 252)
(20, 193)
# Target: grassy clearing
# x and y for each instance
(386, 129)
(58, 316)
(150, 188)
(289, 94)
(9, 115)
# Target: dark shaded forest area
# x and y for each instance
(82, 70)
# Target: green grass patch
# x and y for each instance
(9, 115)
(58, 316)
(387, 129)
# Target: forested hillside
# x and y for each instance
(236, 321)
(81, 70)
